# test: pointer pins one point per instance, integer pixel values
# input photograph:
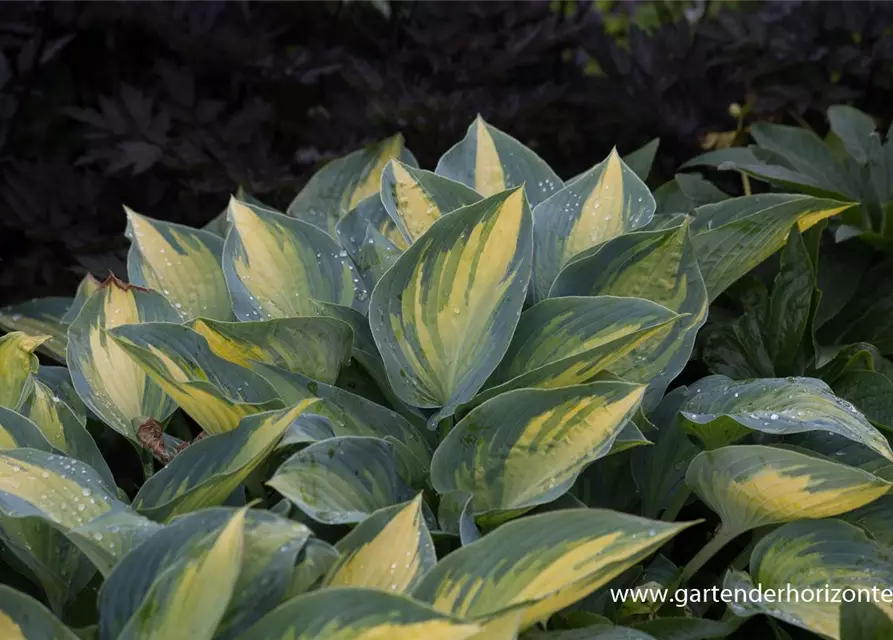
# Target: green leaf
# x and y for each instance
(864, 621)
(342, 480)
(591, 632)
(58, 380)
(815, 556)
(275, 267)
(871, 392)
(215, 392)
(358, 613)
(17, 431)
(415, 199)
(656, 265)
(313, 346)
(856, 130)
(865, 318)
(207, 472)
(24, 618)
(182, 263)
(18, 364)
(603, 203)
(40, 317)
(699, 190)
(841, 267)
(641, 160)
(526, 447)
(876, 518)
(343, 183)
(685, 628)
(789, 305)
(490, 161)
(752, 486)
(86, 288)
(540, 564)
(443, 315)
(110, 383)
(106, 539)
(314, 561)
(734, 236)
(371, 239)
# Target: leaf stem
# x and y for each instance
(676, 504)
(721, 539)
(745, 184)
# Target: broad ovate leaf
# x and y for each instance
(824, 557)
(342, 480)
(182, 263)
(657, 265)
(734, 236)
(415, 198)
(313, 346)
(526, 447)
(342, 613)
(778, 406)
(390, 550)
(215, 392)
(18, 364)
(751, 486)
(603, 203)
(443, 315)
(343, 183)
(276, 266)
(40, 317)
(207, 472)
(110, 383)
(24, 618)
(541, 564)
(371, 239)
(490, 161)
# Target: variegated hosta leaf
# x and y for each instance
(24, 618)
(733, 236)
(541, 564)
(343, 183)
(189, 598)
(526, 447)
(110, 383)
(63, 429)
(415, 198)
(353, 415)
(443, 315)
(58, 380)
(390, 550)
(752, 486)
(86, 288)
(215, 392)
(109, 537)
(271, 544)
(490, 161)
(455, 516)
(722, 411)
(207, 472)
(313, 346)
(823, 557)
(370, 238)
(40, 317)
(18, 432)
(566, 341)
(18, 364)
(656, 265)
(275, 267)
(314, 561)
(603, 203)
(876, 518)
(182, 263)
(342, 480)
(343, 613)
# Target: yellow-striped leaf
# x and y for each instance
(275, 266)
(18, 364)
(819, 557)
(182, 263)
(343, 183)
(342, 480)
(352, 613)
(24, 618)
(106, 539)
(603, 203)
(86, 288)
(58, 380)
(541, 564)
(207, 472)
(40, 317)
(313, 346)
(775, 405)
(353, 415)
(18, 432)
(443, 315)
(751, 486)
(189, 599)
(215, 392)
(415, 198)
(656, 265)
(390, 550)
(490, 161)
(370, 238)
(733, 236)
(110, 383)
(314, 562)
(526, 447)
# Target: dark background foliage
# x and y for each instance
(166, 107)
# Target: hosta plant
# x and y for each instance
(432, 404)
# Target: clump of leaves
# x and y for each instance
(433, 404)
